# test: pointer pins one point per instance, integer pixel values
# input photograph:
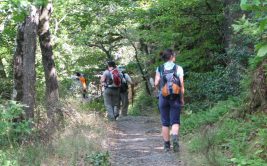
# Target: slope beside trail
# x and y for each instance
(137, 141)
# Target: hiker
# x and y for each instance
(83, 82)
(111, 81)
(170, 84)
(124, 102)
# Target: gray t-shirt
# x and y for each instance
(108, 80)
(127, 78)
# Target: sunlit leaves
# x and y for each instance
(259, 7)
(255, 5)
(262, 49)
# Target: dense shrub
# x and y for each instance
(5, 88)
(12, 129)
(205, 89)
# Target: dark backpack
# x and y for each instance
(115, 78)
(124, 85)
(170, 85)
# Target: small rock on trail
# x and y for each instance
(137, 141)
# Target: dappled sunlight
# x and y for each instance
(53, 72)
(65, 64)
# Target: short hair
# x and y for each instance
(111, 64)
(166, 54)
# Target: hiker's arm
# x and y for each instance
(157, 79)
(129, 80)
(102, 79)
(182, 90)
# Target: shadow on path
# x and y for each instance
(137, 141)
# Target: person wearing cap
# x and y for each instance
(126, 79)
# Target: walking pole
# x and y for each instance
(132, 87)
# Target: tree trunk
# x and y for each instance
(230, 16)
(258, 99)
(52, 95)
(18, 65)
(29, 50)
(2, 70)
(143, 46)
(144, 76)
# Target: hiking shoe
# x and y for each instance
(175, 143)
(116, 116)
(175, 146)
(167, 146)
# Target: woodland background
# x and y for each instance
(222, 47)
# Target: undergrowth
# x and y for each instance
(224, 137)
(143, 103)
(80, 143)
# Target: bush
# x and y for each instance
(142, 103)
(99, 159)
(226, 139)
(94, 105)
(210, 87)
(195, 120)
(5, 88)
(10, 129)
(5, 160)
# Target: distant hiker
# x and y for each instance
(124, 90)
(83, 82)
(111, 81)
(169, 80)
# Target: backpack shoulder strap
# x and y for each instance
(161, 69)
(175, 67)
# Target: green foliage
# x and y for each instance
(5, 88)
(225, 138)
(192, 121)
(258, 23)
(79, 144)
(5, 160)
(143, 103)
(191, 27)
(12, 128)
(99, 159)
(203, 90)
(96, 105)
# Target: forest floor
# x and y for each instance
(129, 141)
(137, 141)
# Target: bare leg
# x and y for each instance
(175, 129)
(165, 133)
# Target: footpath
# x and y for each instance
(137, 141)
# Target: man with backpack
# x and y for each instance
(111, 80)
(124, 90)
(169, 81)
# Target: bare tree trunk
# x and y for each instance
(143, 46)
(18, 65)
(230, 16)
(2, 71)
(258, 97)
(29, 50)
(52, 95)
(144, 76)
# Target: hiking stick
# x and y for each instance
(132, 87)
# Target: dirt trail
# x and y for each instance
(136, 141)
